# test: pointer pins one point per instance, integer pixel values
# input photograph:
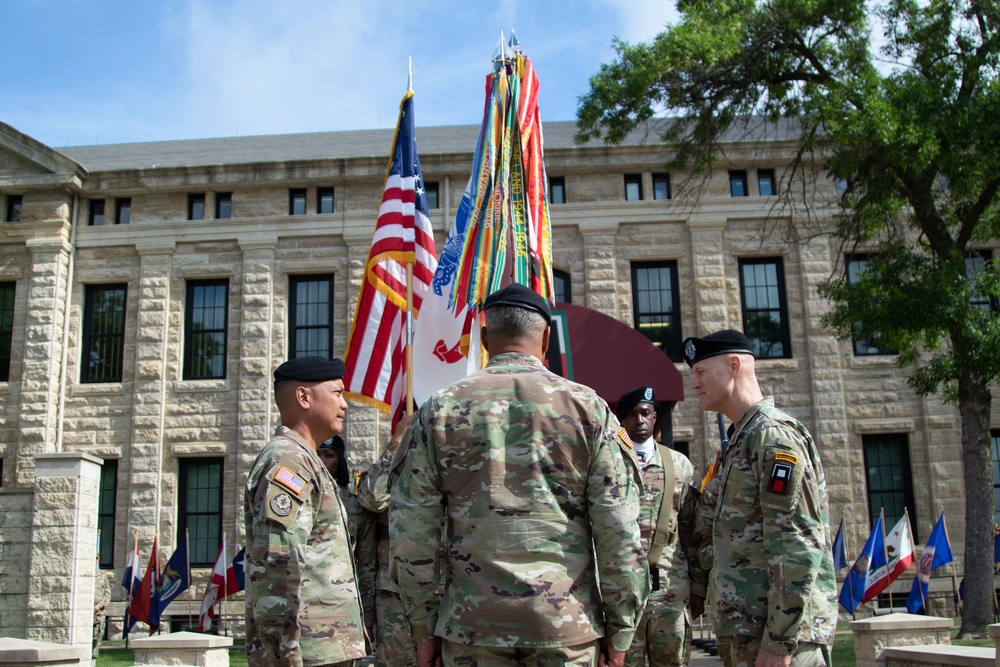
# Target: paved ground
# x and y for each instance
(701, 659)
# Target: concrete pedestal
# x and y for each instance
(182, 648)
(28, 652)
(873, 635)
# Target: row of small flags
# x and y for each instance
(149, 596)
(886, 556)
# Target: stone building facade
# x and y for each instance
(148, 290)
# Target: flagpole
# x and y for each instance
(954, 575)
(885, 550)
(225, 586)
(131, 583)
(187, 553)
(409, 338)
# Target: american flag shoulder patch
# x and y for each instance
(289, 480)
(623, 436)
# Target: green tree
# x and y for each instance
(900, 98)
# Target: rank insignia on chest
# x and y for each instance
(289, 480)
(781, 475)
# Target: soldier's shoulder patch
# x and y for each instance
(622, 435)
(290, 480)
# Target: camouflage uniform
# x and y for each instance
(102, 596)
(664, 633)
(774, 575)
(707, 502)
(393, 646)
(303, 608)
(540, 489)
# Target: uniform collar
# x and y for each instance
(766, 402)
(522, 358)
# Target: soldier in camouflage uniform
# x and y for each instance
(540, 490)
(102, 596)
(302, 603)
(704, 529)
(334, 457)
(773, 576)
(393, 646)
(664, 633)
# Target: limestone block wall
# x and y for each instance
(15, 559)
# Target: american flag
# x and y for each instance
(289, 479)
(376, 346)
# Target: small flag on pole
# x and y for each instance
(936, 553)
(869, 571)
(141, 608)
(216, 583)
(839, 550)
(174, 580)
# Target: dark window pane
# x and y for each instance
(196, 207)
(106, 501)
(557, 190)
(324, 200)
(123, 211)
(14, 205)
(887, 473)
(562, 286)
(200, 508)
(6, 328)
(738, 183)
(311, 316)
(96, 212)
(103, 333)
(765, 182)
(656, 305)
(223, 205)
(765, 311)
(205, 330)
(431, 192)
(297, 201)
(633, 187)
(661, 186)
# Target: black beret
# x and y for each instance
(335, 443)
(519, 296)
(727, 341)
(310, 369)
(630, 399)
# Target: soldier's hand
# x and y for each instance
(768, 659)
(610, 657)
(697, 606)
(429, 653)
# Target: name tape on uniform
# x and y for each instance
(289, 480)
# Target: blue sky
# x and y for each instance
(79, 72)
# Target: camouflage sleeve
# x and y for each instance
(689, 537)
(366, 556)
(416, 514)
(704, 519)
(374, 484)
(102, 591)
(792, 533)
(613, 491)
(274, 563)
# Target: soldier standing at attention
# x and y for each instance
(303, 607)
(540, 490)
(393, 647)
(667, 524)
(773, 576)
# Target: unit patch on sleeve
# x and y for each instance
(781, 475)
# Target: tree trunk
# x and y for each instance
(974, 406)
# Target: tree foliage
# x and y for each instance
(900, 99)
